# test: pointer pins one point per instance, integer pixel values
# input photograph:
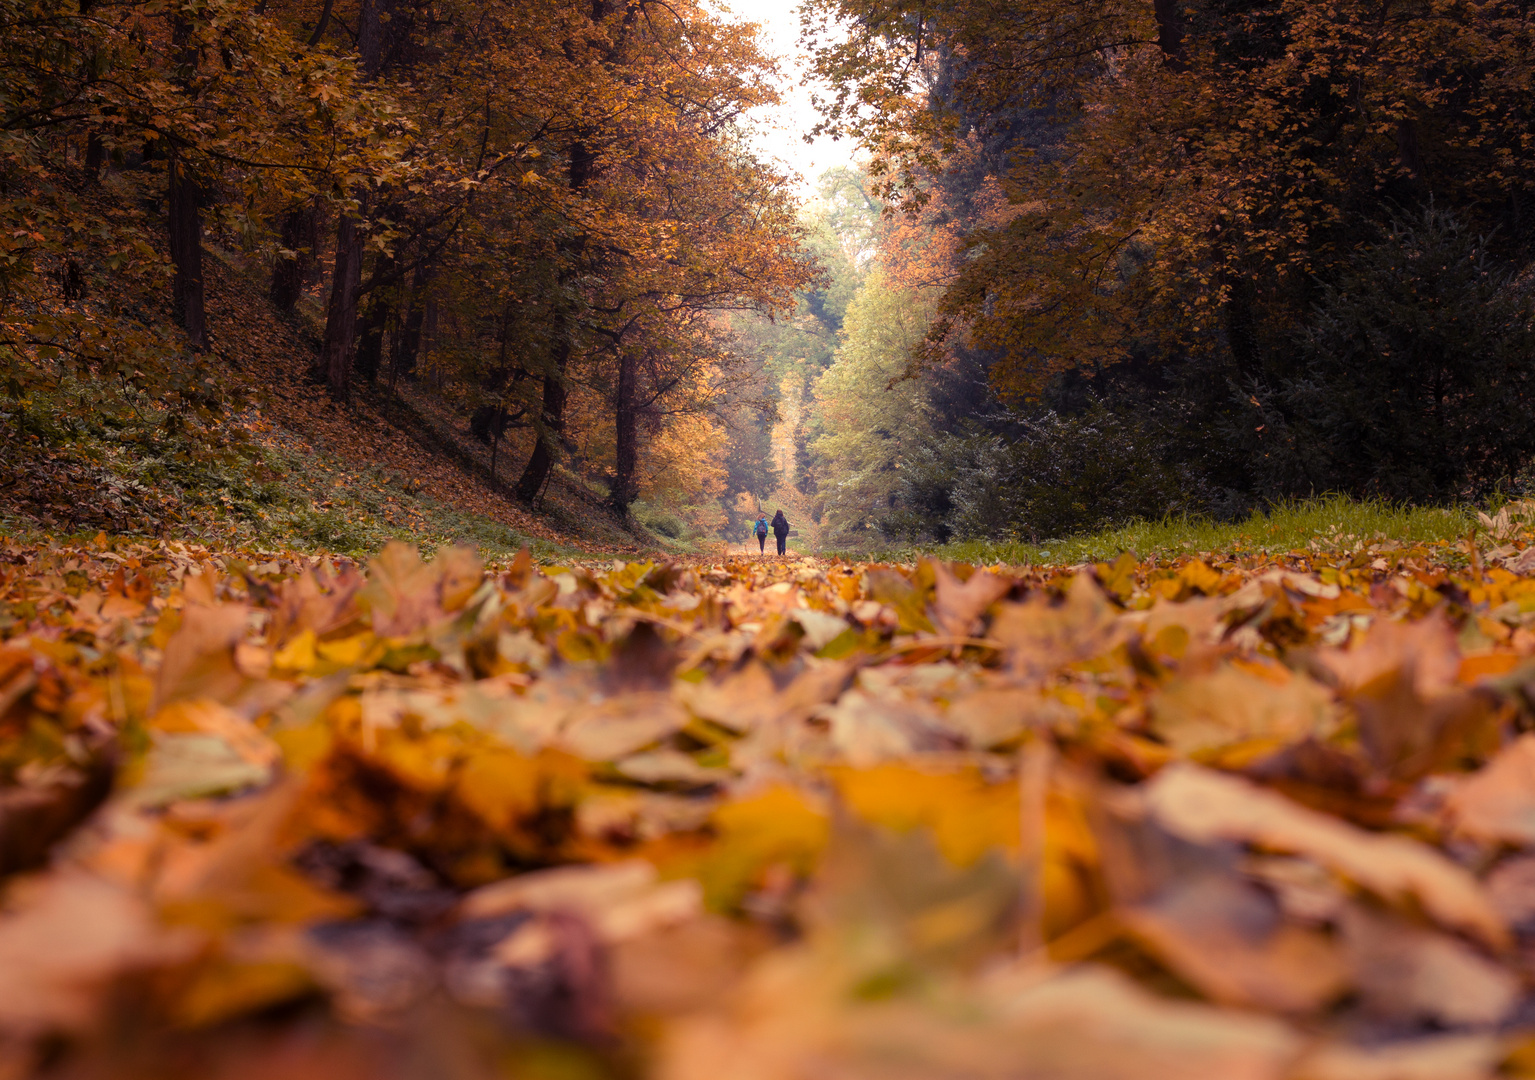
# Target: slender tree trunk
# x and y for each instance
(321, 24)
(370, 328)
(341, 318)
(627, 419)
(550, 423)
(499, 421)
(341, 313)
(184, 225)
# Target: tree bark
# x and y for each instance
(370, 338)
(551, 423)
(341, 313)
(627, 423)
(184, 215)
(321, 24)
(341, 317)
(370, 39)
(406, 344)
(95, 157)
(1169, 16)
(184, 225)
(300, 233)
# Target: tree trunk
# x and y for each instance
(184, 225)
(402, 351)
(300, 233)
(370, 38)
(499, 422)
(627, 421)
(341, 318)
(341, 314)
(1169, 16)
(184, 214)
(95, 157)
(550, 423)
(370, 338)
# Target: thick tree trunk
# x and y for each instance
(341, 318)
(1170, 27)
(550, 423)
(300, 233)
(627, 424)
(184, 225)
(370, 338)
(95, 157)
(407, 343)
(184, 215)
(370, 38)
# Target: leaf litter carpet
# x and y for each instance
(1236, 817)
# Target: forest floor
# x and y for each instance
(1227, 815)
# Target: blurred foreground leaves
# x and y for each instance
(1230, 817)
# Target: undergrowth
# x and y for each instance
(130, 472)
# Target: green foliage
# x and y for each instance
(870, 419)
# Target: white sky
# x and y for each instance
(780, 132)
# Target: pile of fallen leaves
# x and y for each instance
(757, 820)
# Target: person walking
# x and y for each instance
(781, 531)
(761, 529)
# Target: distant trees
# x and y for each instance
(870, 419)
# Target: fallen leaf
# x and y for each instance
(1204, 806)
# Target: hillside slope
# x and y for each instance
(297, 471)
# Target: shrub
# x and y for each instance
(1059, 475)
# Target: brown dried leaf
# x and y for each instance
(1204, 806)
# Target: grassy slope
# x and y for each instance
(299, 473)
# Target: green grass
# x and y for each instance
(1330, 522)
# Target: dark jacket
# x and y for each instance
(780, 524)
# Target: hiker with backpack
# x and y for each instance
(761, 531)
(781, 531)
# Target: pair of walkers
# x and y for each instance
(780, 527)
